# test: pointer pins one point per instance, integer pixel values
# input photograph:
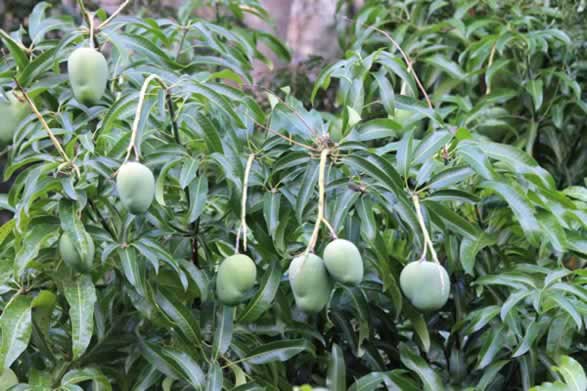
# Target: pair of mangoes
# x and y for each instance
(88, 75)
(310, 276)
(425, 284)
(12, 112)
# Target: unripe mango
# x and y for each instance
(343, 261)
(236, 275)
(309, 282)
(136, 187)
(12, 112)
(72, 258)
(88, 75)
(425, 284)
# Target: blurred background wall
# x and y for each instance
(308, 26)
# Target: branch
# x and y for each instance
(491, 57)
(243, 223)
(102, 220)
(114, 15)
(54, 139)
(275, 132)
(90, 21)
(293, 110)
(407, 60)
(321, 201)
(173, 119)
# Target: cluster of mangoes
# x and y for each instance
(425, 284)
(310, 277)
(135, 182)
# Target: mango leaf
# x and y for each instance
(35, 239)
(336, 380)
(573, 375)
(430, 145)
(223, 333)
(262, 301)
(271, 203)
(535, 89)
(76, 376)
(17, 50)
(214, 378)
(16, 326)
(80, 294)
(430, 379)
(181, 317)
(175, 364)
(73, 227)
(281, 350)
(521, 207)
(198, 191)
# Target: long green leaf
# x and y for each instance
(81, 297)
(16, 326)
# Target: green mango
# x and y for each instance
(12, 112)
(186, 55)
(72, 258)
(43, 306)
(136, 187)
(343, 261)
(88, 75)
(236, 275)
(425, 284)
(309, 282)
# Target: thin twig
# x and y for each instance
(172, 115)
(330, 228)
(491, 57)
(91, 26)
(114, 15)
(135, 126)
(89, 20)
(243, 223)
(293, 110)
(54, 139)
(275, 132)
(427, 240)
(406, 58)
(321, 201)
(102, 220)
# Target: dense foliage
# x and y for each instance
(466, 149)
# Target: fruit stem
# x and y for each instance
(135, 126)
(54, 139)
(91, 26)
(427, 241)
(321, 201)
(90, 20)
(330, 228)
(114, 15)
(243, 225)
